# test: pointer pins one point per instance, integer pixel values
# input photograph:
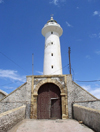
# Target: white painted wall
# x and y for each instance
(50, 49)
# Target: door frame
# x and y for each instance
(46, 105)
(64, 101)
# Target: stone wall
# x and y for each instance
(10, 118)
(59, 78)
(38, 81)
(27, 94)
(76, 93)
(2, 94)
(20, 96)
(89, 116)
(95, 104)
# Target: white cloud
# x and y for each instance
(41, 73)
(95, 91)
(86, 87)
(97, 52)
(94, 35)
(77, 7)
(8, 88)
(56, 2)
(11, 74)
(88, 57)
(69, 25)
(95, 13)
(1, 1)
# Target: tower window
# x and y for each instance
(51, 42)
(52, 66)
(51, 32)
(51, 54)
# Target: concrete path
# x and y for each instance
(69, 125)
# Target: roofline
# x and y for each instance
(1, 91)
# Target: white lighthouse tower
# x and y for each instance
(52, 54)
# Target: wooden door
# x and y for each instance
(49, 102)
(55, 109)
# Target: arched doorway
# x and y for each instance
(49, 102)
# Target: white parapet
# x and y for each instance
(52, 54)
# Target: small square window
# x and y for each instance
(51, 32)
(51, 54)
(52, 66)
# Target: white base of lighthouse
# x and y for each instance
(52, 55)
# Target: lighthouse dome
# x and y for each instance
(52, 26)
(51, 20)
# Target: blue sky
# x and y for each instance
(21, 22)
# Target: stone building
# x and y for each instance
(53, 95)
(2, 94)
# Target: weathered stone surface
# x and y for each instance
(76, 93)
(10, 118)
(68, 125)
(38, 81)
(89, 116)
(2, 94)
(90, 104)
(28, 93)
(17, 98)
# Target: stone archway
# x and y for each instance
(49, 102)
(48, 80)
(62, 93)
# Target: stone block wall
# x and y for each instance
(95, 104)
(38, 81)
(27, 94)
(76, 93)
(20, 96)
(10, 118)
(89, 116)
(2, 94)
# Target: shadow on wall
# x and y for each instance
(88, 115)
(16, 115)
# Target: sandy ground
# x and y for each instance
(69, 125)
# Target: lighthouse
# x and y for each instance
(52, 53)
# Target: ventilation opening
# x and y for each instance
(51, 32)
(52, 66)
(51, 54)
(51, 42)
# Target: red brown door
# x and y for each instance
(49, 102)
(55, 109)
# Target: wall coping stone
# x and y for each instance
(14, 91)
(3, 92)
(87, 108)
(42, 76)
(10, 111)
(86, 101)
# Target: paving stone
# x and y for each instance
(69, 125)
